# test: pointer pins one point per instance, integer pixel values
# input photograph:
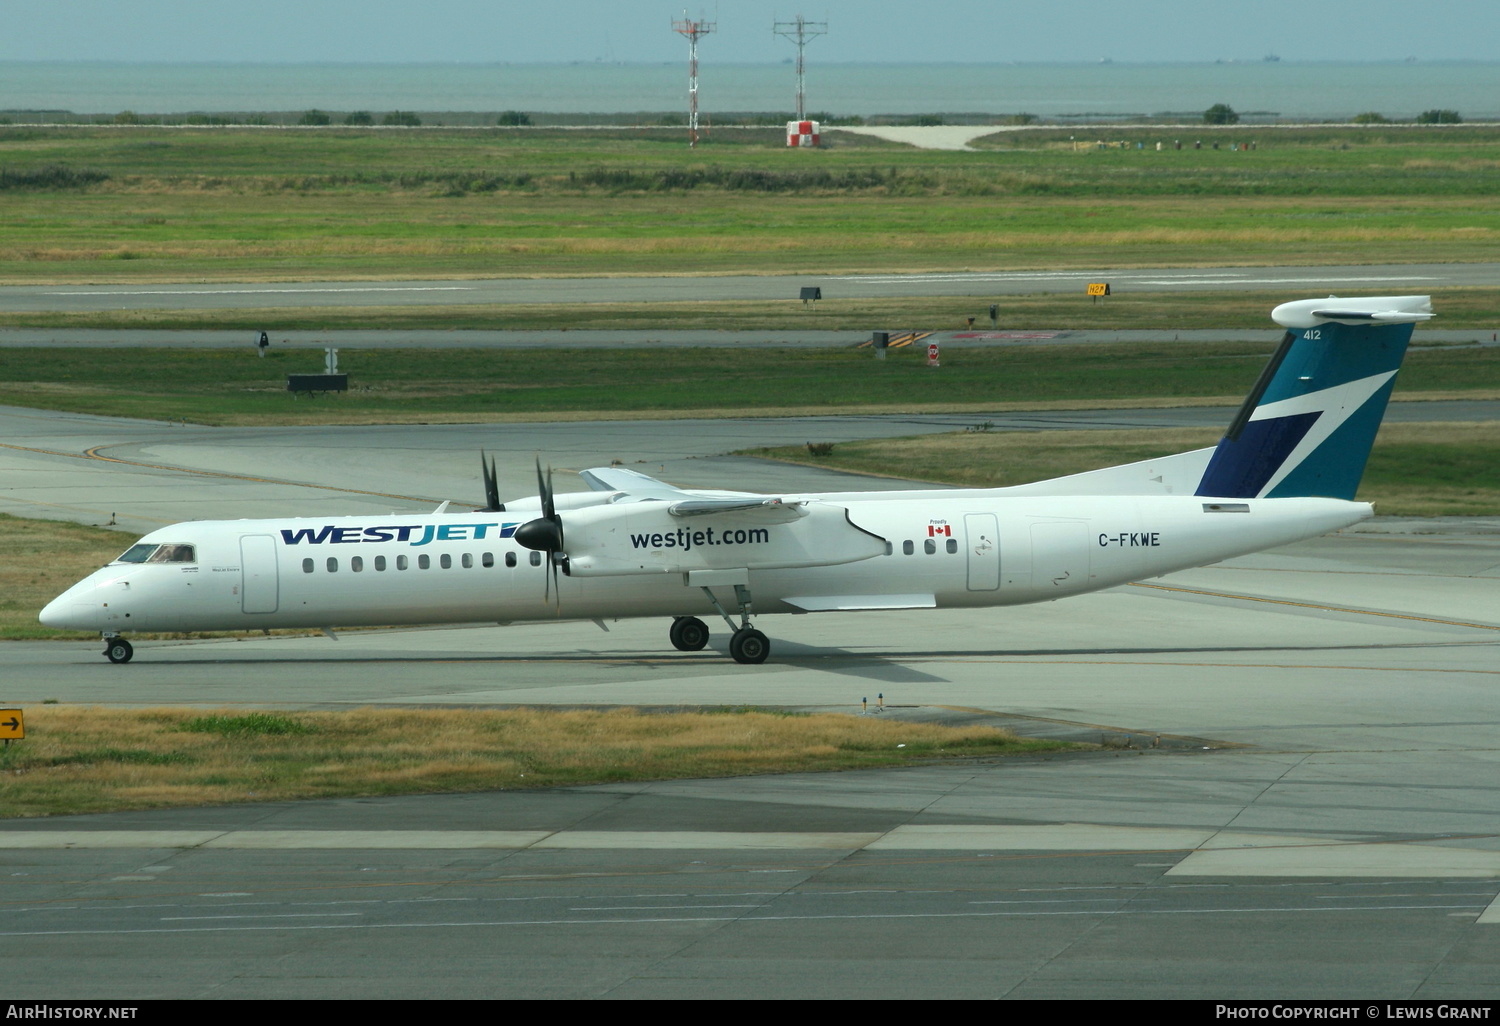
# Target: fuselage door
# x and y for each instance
(983, 533)
(1059, 555)
(259, 587)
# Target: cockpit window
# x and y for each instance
(136, 554)
(173, 554)
(148, 553)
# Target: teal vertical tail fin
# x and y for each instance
(1307, 427)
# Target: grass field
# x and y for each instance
(79, 759)
(1458, 308)
(39, 559)
(103, 204)
(394, 386)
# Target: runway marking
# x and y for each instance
(258, 292)
(1315, 605)
(267, 915)
(1205, 851)
(1191, 663)
(94, 454)
(1150, 278)
(645, 920)
(649, 908)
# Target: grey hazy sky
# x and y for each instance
(486, 31)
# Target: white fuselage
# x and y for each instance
(945, 549)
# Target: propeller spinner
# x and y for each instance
(545, 533)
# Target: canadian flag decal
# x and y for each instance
(933, 531)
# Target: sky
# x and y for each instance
(510, 31)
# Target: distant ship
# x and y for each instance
(1270, 58)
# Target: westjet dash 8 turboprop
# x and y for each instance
(1286, 469)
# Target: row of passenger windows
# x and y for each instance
(424, 562)
(929, 546)
(487, 559)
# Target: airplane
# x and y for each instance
(1286, 469)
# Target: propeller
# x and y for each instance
(545, 534)
(492, 503)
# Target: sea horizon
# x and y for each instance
(1315, 90)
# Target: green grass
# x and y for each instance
(237, 387)
(1458, 308)
(246, 204)
(79, 759)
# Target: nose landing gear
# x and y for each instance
(117, 649)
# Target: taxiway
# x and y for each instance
(1296, 796)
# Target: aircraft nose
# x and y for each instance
(55, 613)
(75, 609)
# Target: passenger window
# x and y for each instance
(333, 564)
(400, 562)
(929, 546)
(906, 548)
(356, 563)
(307, 565)
(446, 561)
(952, 545)
(468, 560)
(379, 563)
(424, 562)
(536, 558)
(510, 559)
(488, 559)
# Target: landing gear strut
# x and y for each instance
(689, 634)
(117, 649)
(746, 644)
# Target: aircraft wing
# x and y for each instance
(635, 487)
(754, 509)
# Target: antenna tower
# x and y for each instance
(799, 32)
(693, 30)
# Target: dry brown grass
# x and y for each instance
(79, 759)
(39, 559)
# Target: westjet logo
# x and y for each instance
(686, 540)
(412, 534)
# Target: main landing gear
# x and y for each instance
(689, 634)
(746, 644)
(117, 649)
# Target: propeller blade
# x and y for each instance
(492, 503)
(545, 534)
(544, 490)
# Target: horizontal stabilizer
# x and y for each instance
(1308, 313)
